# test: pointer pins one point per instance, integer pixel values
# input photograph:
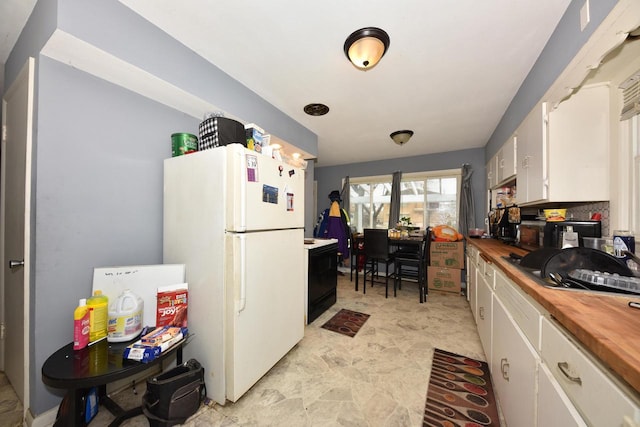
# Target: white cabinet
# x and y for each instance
(485, 316)
(472, 270)
(506, 164)
(579, 147)
(514, 365)
(599, 398)
(563, 155)
(532, 156)
(541, 375)
(554, 407)
(492, 173)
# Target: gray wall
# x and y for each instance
(329, 178)
(98, 151)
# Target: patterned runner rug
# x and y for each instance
(460, 393)
(346, 322)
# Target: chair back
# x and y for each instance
(376, 243)
(426, 245)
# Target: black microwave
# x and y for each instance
(553, 231)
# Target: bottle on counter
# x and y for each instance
(81, 322)
(98, 316)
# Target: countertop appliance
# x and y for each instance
(235, 218)
(553, 231)
(504, 222)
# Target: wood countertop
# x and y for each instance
(604, 324)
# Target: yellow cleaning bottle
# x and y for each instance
(98, 316)
(81, 323)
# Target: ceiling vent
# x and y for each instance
(630, 97)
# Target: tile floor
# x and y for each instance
(377, 378)
(10, 406)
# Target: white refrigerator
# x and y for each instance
(235, 218)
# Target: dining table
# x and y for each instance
(403, 241)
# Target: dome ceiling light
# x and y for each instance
(366, 47)
(400, 137)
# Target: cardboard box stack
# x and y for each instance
(446, 261)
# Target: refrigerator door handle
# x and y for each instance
(240, 305)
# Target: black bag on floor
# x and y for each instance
(175, 395)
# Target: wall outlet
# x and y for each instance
(584, 15)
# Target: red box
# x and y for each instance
(171, 306)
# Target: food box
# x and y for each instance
(446, 254)
(254, 136)
(171, 305)
(448, 280)
(146, 353)
(219, 131)
(160, 335)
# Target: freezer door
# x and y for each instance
(265, 304)
(262, 193)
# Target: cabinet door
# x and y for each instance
(513, 369)
(484, 317)
(532, 156)
(579, 147)
(507, 160)
(472, 286)
(554, 408)
(492, 173)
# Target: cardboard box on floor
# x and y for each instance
(446, 254)
(444, 279)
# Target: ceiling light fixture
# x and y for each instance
(366, 47)
(400, 137)
(316, 109)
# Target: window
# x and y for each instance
(430, 198)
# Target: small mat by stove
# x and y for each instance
(346, 322)
(460, 392)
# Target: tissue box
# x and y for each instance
(219, 131)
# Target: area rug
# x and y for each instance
(346, 322)
(460, 393)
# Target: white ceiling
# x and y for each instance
(451, 70)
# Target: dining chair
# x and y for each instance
(413, 265)
(376, 251)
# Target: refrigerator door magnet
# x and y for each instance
(252, 168)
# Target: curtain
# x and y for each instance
(467, 210)
(346, 190)
(394, 214)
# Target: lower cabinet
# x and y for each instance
(554, 407)
(484, 318)
(541, 375)
(514, 365)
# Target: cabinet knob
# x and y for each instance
(481, 313)
(504, 367)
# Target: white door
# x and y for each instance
(262, 193)
(16, 160)
(265, 303)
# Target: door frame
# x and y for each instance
(28, 73)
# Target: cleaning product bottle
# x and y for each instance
(81, 325)
(98, 316)
(125, 317)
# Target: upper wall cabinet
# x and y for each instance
(507, 161)
(564, 156)
(492, 173)
(532, 156)
(579, 147)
